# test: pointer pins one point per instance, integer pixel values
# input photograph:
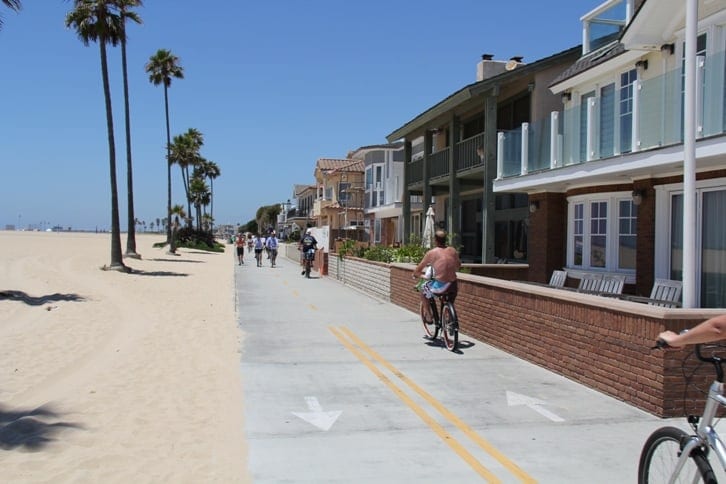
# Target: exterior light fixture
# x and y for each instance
(638, 197)
(642, 64)
(533, 206)
(566, 96)
(667, 49)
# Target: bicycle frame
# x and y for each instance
(706, 435)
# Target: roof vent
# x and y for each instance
(487, 57)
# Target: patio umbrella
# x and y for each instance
(428, 232)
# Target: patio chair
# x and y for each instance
(666, 293)
(612, 284)
(558, 278)
(589, 283)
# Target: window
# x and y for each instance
(627, 230)
(344, 192)
(602, 232)
(377, 231)
(710, 239)
(627, 82)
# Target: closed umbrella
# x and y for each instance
(428, 233)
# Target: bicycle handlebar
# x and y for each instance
(716, 361)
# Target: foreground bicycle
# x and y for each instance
(444, 319)
(672, 455)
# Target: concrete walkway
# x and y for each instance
(340, 388)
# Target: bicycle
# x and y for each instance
(672, 455)
(308, 257)
(444, 319)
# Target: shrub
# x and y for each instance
(379, 253)
(197, 239)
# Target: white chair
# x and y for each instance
(666, 293)
(612, 284)
(589, 282)
(558, 278)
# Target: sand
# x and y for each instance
(114, 377)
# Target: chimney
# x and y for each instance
(488, 67)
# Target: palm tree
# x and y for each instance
(12, 5)
(95, 21)
(178, 212)
(184, 151)
(199, 195)
(126, 14)
(161, 67)
(211, 170)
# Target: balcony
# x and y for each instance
(595, 130)
(319, 205)
(468, 159)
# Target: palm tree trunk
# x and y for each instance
(185, 179)
(131, 236)
(116, 256)
(169, 238)
(211, 206)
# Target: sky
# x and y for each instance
(273, 86)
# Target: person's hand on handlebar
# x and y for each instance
(670, 339)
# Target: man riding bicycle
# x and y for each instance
(308, 244)
(444, 262)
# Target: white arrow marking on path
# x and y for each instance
(533, 403)
(316, 416)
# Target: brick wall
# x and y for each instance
(600, 342)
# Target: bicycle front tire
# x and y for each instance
(450, 326)
(660, 455)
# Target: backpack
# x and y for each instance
(308, 241)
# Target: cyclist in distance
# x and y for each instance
(712, 329)
(307, 243)
(444, 262)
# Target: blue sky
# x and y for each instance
(273, 86)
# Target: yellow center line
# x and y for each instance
(451, 417)
(418, 410)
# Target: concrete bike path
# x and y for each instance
(341, 387)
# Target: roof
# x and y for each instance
(347, 165)
(592, 59)
(476, 89)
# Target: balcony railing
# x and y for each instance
(415, 169)
(439, 163)
(591, 131)
(469, 152)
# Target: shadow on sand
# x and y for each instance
(179, 260)
(30, 430)
(38, 300)
(159, 273)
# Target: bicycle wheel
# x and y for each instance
(450, 326)
(660, 456)
(431, 328)
(307, 268)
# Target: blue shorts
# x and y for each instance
(434, 287)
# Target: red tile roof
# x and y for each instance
(340, 164)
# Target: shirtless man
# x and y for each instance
(445, 262)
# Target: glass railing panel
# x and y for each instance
(571, 135)
(512, 152)
(714, 95)
(661, 110)
(539, 145)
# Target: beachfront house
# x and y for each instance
(450, 156)
(383, 192)
(339, 199)
(605, 184)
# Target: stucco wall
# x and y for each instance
(373, 278)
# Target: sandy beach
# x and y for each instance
(114, 377)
